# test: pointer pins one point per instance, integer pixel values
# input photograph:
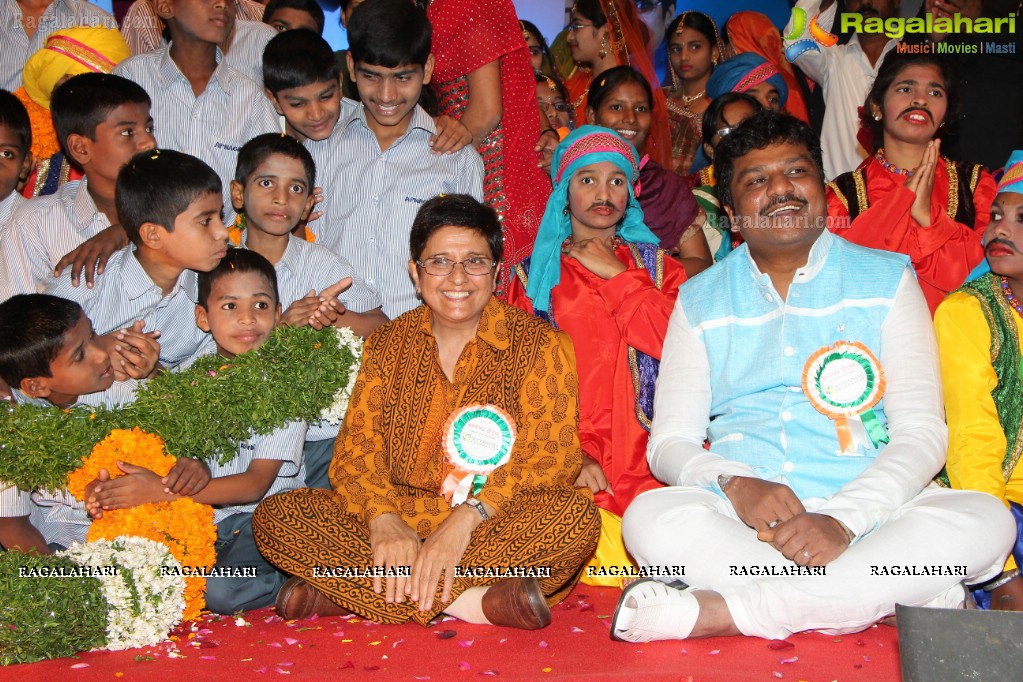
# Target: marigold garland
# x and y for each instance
(44, 136)
(134, 447)
(184, 526)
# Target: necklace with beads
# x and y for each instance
(890, 167)
(1010, 297)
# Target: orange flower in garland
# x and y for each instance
(186, 527)
(234, 233)
(44, 137)
(134, 447)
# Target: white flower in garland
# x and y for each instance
(336, 412)
(145, 597)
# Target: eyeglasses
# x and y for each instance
(476, 266)
(577, 26)
(726, 131)
(546, 105)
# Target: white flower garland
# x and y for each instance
(145, 598)
(336, 412)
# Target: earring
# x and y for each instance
(564, 211)
(604, 47)
(877, 117)
(675, 85)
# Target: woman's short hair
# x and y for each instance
(456, 210)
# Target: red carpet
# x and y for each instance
(574, 647)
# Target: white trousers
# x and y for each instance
(948, 530)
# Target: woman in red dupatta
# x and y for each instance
(484, 80)
(608, 33)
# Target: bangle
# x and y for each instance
(478, 506)
(723, 480)
(1003, 579)
(548, 130)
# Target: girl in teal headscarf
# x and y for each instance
(597, 274)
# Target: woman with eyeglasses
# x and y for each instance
(461, 434)
(603, 34)
(596, 273)
(722, 117)
(552, 99)
(621, 99)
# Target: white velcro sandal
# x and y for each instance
(660, 612)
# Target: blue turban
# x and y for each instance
(742, 72)
(584, 146)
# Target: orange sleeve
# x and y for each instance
(640, 309)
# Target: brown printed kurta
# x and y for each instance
(388, 459)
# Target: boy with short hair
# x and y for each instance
(169, 204)
(385, 147)
(101, 121)
(202, 106)
(50, 356)
(382, 149)
(15, 152)
(272, 187)
(288, 15)
(238, 304)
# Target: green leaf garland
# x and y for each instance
(47, 617)
(203, 412)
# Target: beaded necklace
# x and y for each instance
(1010, 297)
(890, 167)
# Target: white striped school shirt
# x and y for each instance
(370, 198)
(284, 445)
(306, 266)
(41, 232)
(18, 47)
(213, 126)
(9, 205)
(124, 293)
(57, 515)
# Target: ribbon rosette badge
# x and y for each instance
(844, 382)
(478, 440)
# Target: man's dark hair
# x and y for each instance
(82, 102)
(158, 185)
(14, 116)
(293, 59)
(893, 64)
(235, 262)
(32, 331)
(459, 210)
(310, 7)
(260, 148)
(389, 33)
(760, 131)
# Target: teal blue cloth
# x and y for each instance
(1016, 188)
(730, 72)
(556, 225)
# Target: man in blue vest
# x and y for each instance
(810, 366)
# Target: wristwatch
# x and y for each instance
(478, 506)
